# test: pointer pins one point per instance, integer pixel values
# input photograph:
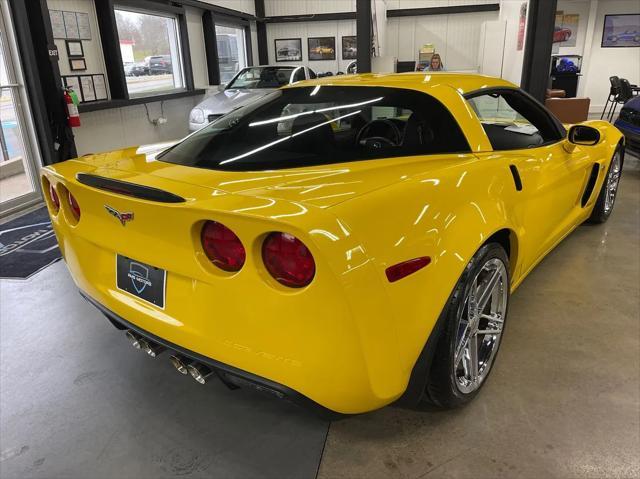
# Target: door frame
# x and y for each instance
(24, 116)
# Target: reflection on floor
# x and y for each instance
(14, 186)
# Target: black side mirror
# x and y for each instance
(583, 135)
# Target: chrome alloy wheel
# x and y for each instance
(613, 179)
(480, 326)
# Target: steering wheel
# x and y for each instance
(379, 141)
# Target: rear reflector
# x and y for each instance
(288, 260)
(222, 246)
(75, 207)
(54, 197)
(400, 270)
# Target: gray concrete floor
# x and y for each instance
(563, 400)
(77, 401)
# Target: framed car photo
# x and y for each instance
(322, 48)
(349, 48)
(288, 49)
(621, 31)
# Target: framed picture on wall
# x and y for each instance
(621, 31)
(88, 90)
(349, 48)
(288, 49)
(77, 64)
(73, 82)
(74, 48)
(322, 48)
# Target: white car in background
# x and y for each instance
(248, 85)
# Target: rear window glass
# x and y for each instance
(309, 126)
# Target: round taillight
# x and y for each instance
(288, 260)
(54, 197)
(75, 207)
(222, 246)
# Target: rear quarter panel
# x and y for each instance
(447, 215)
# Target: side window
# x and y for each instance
(298, 75)
(513, 122)
(312, 74)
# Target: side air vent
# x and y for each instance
(129, 189)
(516, 177)
(593, 177)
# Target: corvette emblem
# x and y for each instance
(122, 217)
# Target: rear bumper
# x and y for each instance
(259, 383)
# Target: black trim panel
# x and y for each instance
(516, 177)
(591, 183)
(119, 103)
(414, 12)
(258, 382)
(128, 189)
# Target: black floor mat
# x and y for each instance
(27, 245)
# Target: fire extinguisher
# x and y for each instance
(73, 116)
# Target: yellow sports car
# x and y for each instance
(344, 243)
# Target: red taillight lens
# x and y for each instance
(54, 197)
(288, 260)
(222, 246)
(75, 207)
(400, 270)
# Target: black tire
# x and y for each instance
(600, 213)
(442, 390)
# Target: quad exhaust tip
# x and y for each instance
(180, 363)
(138, 342)
(199, 372)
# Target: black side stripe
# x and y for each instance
(593, 177)
(516, 177)
(129, 189)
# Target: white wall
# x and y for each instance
(246, 6)
(580, 7)
(455, 37)
(513, 58)
(304, 30)
(121, 127)
(304, 7)
(601, 63)
(92, 48)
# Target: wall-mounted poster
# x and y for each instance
(71, 25)
(322, 48)
(621, 30)
(522, 25)
(86, 85)
(100, 87)
(57, 24)
(288, 49)
(566, 29)
(73, 82)
(84, 28)
(349, 48)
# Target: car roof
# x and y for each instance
(463, 82)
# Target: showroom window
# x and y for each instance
(150, 50)
(232, 51)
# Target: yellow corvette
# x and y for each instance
(344, 243)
